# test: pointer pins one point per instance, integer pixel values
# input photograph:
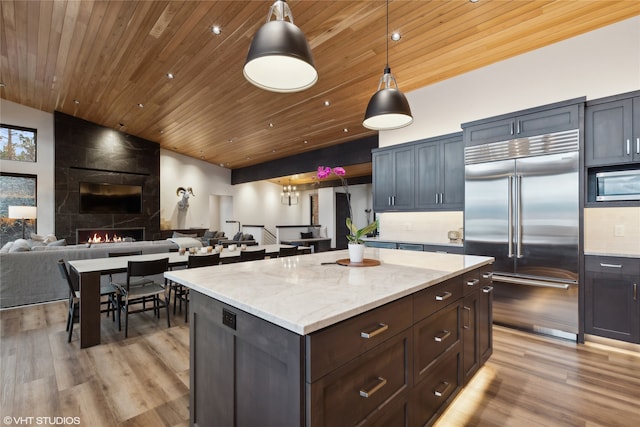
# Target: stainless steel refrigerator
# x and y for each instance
(522, 207)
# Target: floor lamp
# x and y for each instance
(23, 213)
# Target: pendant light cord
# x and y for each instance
(386, 36)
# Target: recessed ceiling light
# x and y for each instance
(270, 125)
(75, 101)
(306, 142)
(396, 36)
(2, 84)
(327, 103)
(345, 130)
(248, 158)
(169, 75)
(141, 105)
(230, 140)
(216, 30)
(273, 151)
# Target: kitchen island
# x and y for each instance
(302, 341)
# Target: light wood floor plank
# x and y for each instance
(530, 380)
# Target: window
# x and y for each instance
(16, 190)
(17, 143)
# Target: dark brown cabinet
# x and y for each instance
(477, 321)
(556, 117)
(612, 300)
(612, 130)
(399, 364)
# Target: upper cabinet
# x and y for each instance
(612, 130)
(440, 174)
(419, 176)
(535, 121)
(393, 179)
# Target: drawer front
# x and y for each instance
(334, 346)
(612, 265)
(434, 336)
(436, 297)
(478, 278)
(363, 388)
(433, 394)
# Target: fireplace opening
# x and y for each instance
(109, 235)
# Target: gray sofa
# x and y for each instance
(33, 277)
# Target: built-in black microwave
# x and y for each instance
(618, 185)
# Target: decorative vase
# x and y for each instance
(356, 252)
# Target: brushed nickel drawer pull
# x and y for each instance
(381, 328)
(635, 292)
(473, 282)
(604, 264)
(367, 393)
(442, 336)
(487, 289)
(443, 297)
(440, 391)
(487, 275)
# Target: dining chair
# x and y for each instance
(252, 255)
(107, 290)
(287, 251)
(182, 292)
(141, 287)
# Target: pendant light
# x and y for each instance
(388, 108)
(279, 58)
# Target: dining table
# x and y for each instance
(88, 273)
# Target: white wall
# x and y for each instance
(19, 115)
(204, 178)
(596, 64)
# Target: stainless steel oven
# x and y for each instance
(618, 185)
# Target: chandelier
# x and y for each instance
(289, 195)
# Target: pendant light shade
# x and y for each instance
(388, 108)
(279, 58)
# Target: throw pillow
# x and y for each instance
(7, 246)
(237, 236)
(209, 234)
(50, 238)
(219, 235)
(61, 242)
(178, 234)
(307, 235)
(315, 231)
(37, 237)
(247, 237)
(20, 245)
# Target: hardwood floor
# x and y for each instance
(144, 380)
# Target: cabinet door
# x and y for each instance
(611, 298)
(493, 131)
(452, 174)
(608, 133)
(548, 121)
(485, 323)
(636, 130)
(470, 344)
(428, 176)
(383, 182)
(403, 194)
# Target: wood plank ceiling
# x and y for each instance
(107, 62)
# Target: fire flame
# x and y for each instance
(106, 239)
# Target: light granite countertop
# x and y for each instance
(303, 294)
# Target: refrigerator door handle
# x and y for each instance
(519, 216)
(510, 217)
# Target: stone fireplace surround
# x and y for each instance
(87, 152)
